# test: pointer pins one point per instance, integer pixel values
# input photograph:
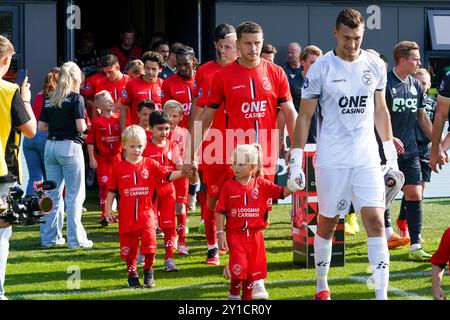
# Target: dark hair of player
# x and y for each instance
(268, 48)
(349, 17)
(223, 30)
(108, 60)
(146, 103)
(159, 117)
(248, 27)
(160, 43)
(153, 56)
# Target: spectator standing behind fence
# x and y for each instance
(33, 149)
(63, 116)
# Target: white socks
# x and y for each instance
(322, 257)
(378, 253)
(389, 232)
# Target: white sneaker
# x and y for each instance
(183, 250)
(233, 297)
(85, 245)
(259, 291)
(3, 298)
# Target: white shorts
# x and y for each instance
(337, 188)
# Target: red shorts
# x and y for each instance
(165, 205)
(104, 167)
(247, 255)
(181, 190)
(129, 243)
(215, 176)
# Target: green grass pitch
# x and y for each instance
(37, 273)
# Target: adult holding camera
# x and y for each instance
(63, 117)
(15, 112)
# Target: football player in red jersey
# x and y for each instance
(252, 88)
(214, 174)
(180, 85)
(145, 109)
(439, 260)
(243, 202)
(127, 50)
(104, 145)
(134, 180)
(167, 154)
(115, 82)
(148, 86)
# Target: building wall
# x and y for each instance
(40, 42)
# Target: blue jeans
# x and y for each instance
(33, 150)
(64, 164)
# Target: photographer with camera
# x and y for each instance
(15, 113)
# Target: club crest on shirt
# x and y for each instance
(105, 179)
(237, 269)
(255, 194)
(342, 205)
(124, 94)
(234, 212)
(159, 92)
(126, 192)
(413, 90)
(367, 79)
(144, 174)
(266, 85)
(305, 83)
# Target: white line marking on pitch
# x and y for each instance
(360, 279)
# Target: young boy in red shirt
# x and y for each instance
(243, 203)
(104, 145)
(134, 180)
(166, 152)
(179, 135)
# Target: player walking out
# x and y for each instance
(349, 85)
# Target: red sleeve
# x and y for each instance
(127, 98)
(222, 204)
(271, 190)
(161, 172)
(283, 93)
(92, 133)
(442, 256)
(198, 82)
(203, 92)
(165, 91)
(113, 184)
(216, 94)
(38, 104)
(176, 156)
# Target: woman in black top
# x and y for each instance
(63, 116)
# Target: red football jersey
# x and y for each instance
(115, 88)
(90, 84)
(137, 90)
(246, 205)
(149, 135)
(105, 135)
(179, 136)
(175, 88)
(251, 97)
(167, 156)
(201, 88)
(442, 256)
(202, 73)
(135, 184)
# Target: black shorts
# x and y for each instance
(425, 168)
(411, 169)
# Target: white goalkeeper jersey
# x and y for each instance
(346, 129)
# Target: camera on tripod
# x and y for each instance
(28, 209)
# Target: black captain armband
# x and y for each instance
(214, 106)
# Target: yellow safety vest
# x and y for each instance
(9, 138)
